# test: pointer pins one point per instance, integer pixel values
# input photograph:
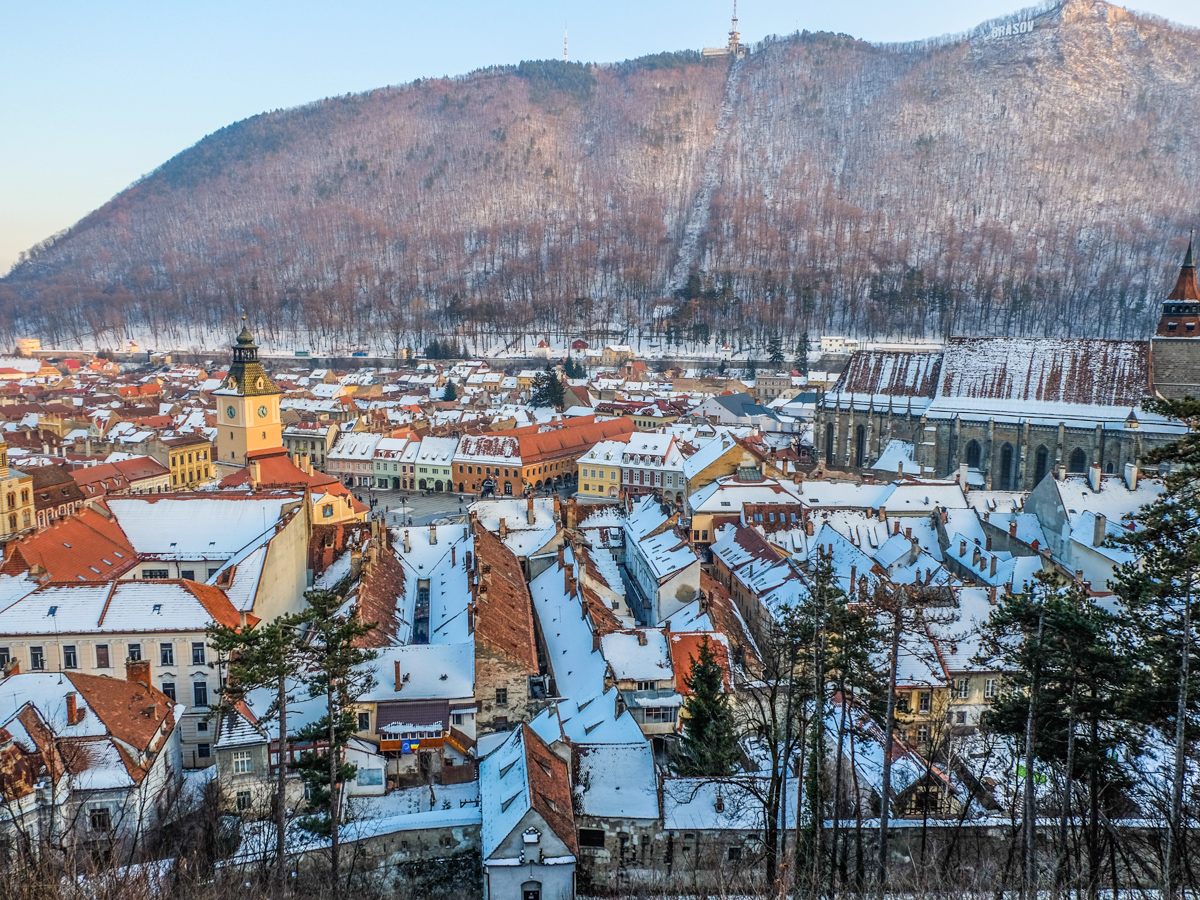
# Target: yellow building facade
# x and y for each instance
(16, 494)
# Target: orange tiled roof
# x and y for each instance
(685, 649)
(89, 546)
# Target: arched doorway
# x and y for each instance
(508, 489)
(860, 446)
(1007, 472)
(1077, 464)
(421, 484)
(1041, 464)
(395, 484)
(829, 445)
(1110, 469)
(437, 486)
(974, 455)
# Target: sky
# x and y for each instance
(95, 95)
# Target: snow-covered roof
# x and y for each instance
(427, 672)
(617, 781)
(198, 527)
(639, 655)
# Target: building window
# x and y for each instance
(364, 721)
(923, 734)
(200, 693)
(925, 701)
(960, 718)
(135, 653)
(37, 659)
(242, 762)
(502, 696)
(100, 819)
(197, 653)
(735, 854)
(102, 660)
(243, 801)
(989, 688)
(456, 718)
(168, 688)
(4, 656)
(647, 685)
(166, 654)
(189, 574)
(591, 837)
(204, 751)
(964, 688)
(202, 725)
(155, 574)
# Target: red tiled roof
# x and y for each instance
(504, 612)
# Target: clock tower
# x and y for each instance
(247, 406)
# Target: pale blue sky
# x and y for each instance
(93, 95)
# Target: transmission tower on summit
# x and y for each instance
(565, 57)
(735, 47)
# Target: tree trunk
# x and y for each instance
(889, 731)
(837, 796)
(1029, 805)
(1175, 823)
(281, 792)
(334, 797)
(1062, 869)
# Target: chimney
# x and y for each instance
(962, 548)
(407, 542)
(152, 711)
(12, 667)
(962, 476)
(1012, 528)
(595, 641)
(572, 513)
(976, 556)
(853, 574)
(561, 560)
(988, 545)
(138, 670)
(908, 532)
(1094, 477)
(255, 473)
(557, 509)
(882, 514)
(356, 564)
(432, 535)
(467, 560)
(641, 638)
(503, 528)
(992, 595)
(808, 528)
(453, 556)
(1131, 476)
(895, 526)
(74, 711)
(1098, 530)
(399, 680)
(529, 516)
(1062, 473)
(1079, 575)
(992, 568)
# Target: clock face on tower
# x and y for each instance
(262, 412)
(230, 411)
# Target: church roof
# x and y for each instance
(1185, 286)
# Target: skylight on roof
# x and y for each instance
(157, 608)
(53, 611)
(509, 802)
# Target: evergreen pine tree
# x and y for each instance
(336, 673)
(751, 369)
(801, 361)
(1160, 590)
(451, 392)
(548, 390)
(775, 349)
(268, 656)
(709, 744)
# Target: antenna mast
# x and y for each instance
(565, 57)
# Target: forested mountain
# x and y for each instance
(1037, 176)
